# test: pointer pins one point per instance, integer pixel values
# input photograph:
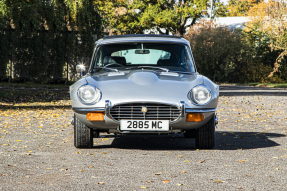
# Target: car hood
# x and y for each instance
(144, 86)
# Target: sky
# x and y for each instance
(224, 1)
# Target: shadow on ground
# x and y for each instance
(224, 141)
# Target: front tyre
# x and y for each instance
(205, 135)
(83, 135)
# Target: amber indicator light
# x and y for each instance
(195, 117)
(95, 116)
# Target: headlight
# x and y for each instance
(200, 94)
(89, 94)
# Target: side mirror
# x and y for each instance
(80, 68)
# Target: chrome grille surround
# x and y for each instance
(155, 111)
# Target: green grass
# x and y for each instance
(257, 84)
(35, 85)
(270, 85)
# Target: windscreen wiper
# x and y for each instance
(148, 67)
(182, 72)
(102, 67)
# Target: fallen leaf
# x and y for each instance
(18, 140)
(202, 161)
(159, 173)
(224, 134)
(166, 181)
(218, 181)
(179, 184)
(149, 181)
(82, 170)
(183, 171)
(143, 187)
(241, 161)
(90, 166)
(179, 156)
(187, 161)
(277, 168)
(101, 183)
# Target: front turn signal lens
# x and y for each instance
(95, 116)
(195, 117)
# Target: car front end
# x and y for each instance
(160, 93)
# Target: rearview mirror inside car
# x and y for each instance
(142, 52)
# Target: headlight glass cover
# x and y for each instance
(88, 94)
(200, 94)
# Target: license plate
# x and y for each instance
(144, 125)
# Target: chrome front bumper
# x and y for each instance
(111, 124)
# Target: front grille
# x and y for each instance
(133, 111)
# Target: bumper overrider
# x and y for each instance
(102, 119)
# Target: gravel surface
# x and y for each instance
(37, 152)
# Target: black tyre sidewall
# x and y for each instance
(83, 135)
(205, 135)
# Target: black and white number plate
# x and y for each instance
(144, 125)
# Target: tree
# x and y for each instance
(236, 8)
(230, 56)
(164, 16)
(40, 38)
(277, 29)
(216, 50)
(220, 9)
(271, 19)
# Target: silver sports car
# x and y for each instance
(143, 84)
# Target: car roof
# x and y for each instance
(142, 38)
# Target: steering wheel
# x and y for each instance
(114, 64)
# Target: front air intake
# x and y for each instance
(145, 111)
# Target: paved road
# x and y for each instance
(37, 152)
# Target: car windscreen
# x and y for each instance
(175, 57)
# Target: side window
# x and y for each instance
(99, 57)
